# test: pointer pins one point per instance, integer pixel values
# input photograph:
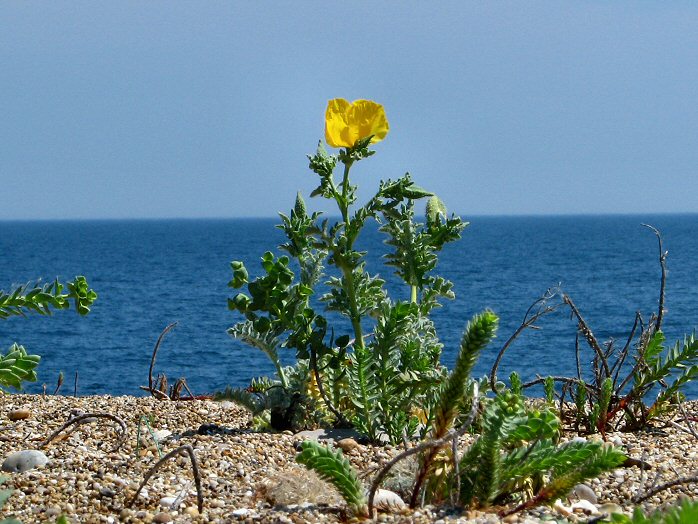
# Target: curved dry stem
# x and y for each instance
(662, 285)
(84, 417)
(452, 435)
(155, 352)
(195, 469)
(690, 479)
(534, 312)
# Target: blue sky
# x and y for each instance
(207, 109)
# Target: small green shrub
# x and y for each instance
(515, 463)
(626, 387)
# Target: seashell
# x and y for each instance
(388, 501)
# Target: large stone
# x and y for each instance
(24, 460)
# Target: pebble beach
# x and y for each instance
(252, 477)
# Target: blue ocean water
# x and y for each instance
(149, 273)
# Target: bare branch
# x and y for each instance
(624, 352)
(535, 311)
(588, 335)
(92, 416)
(564, 380)
(662, 262)
(690, 479)
(155, 352)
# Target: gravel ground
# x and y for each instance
(246, 476)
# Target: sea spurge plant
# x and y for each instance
(334, 468)
(372, 359)
(40, 299)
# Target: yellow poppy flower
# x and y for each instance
(346, 123)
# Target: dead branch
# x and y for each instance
(155, 352)
(452, 435)
(615, 369)
(155, 392)
(195, 469)
(535, 311)
(84, 417)
(588, 335)
(662, 285)
(577, 355)
(690, 479)
(564, 380)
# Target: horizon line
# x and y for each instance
(270, 217)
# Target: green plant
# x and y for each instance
(362, 357)
(16, 366)
(4, 495)
(684, 513)
(516, 458)
(479, 332)
(623, 382)
(515, 463)
(334, 468)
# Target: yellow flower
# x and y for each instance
(347, 123)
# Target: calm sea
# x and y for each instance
(149, 273)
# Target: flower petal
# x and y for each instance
(346, 123)
(336, 124)
(368, 118)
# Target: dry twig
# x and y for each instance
(662, 285)
(535, 311)
(83, 418)
(155, 352)
(194, 466)
(690, 479)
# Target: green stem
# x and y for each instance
(413, 294)
(343, 203)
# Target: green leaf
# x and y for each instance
(334, 468)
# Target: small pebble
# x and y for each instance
(584, 492)
(347, 444)
(166, 502)
(19, 414)
(162, 517)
